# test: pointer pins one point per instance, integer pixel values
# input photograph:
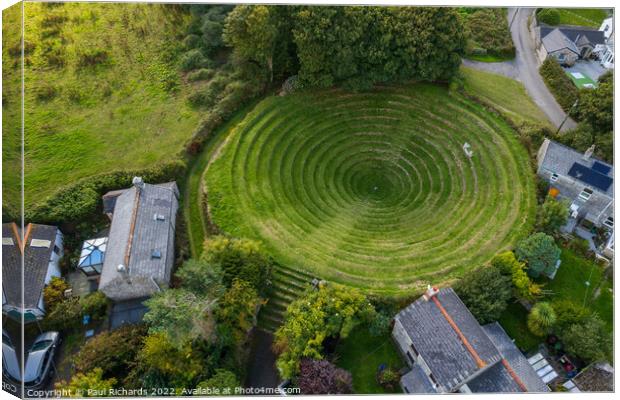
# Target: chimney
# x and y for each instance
(588, 153)
(138, 182)
(430, 292)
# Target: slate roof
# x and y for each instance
(416, 381)
(572, 34)
(596, 378)
(515, 358)
(556, 40)
(438, 343)
(494, 379)
(146, 272)
(36, 262)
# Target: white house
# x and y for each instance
(41, 248)
(605, 52)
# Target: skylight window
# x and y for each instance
(156, 254)
(159, 217)
(585, 193)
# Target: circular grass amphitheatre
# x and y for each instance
(374, 190)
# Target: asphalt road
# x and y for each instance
(524, 68)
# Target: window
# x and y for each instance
(414, 351)
(156, 254)
(159, 217)
(56, 249)
(609, 222)
(585, 193)
(410, 358)
(554, 177)
(432, 378)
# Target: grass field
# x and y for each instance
(514, 322)
(362, 354)
(591, 17)
(374, 190)
(102, 90)
(505, 94)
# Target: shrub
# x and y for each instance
(380, 325)
(560, 85)
(82, 383)
(201, 74)
(523, 286)
(223, 382)
(388, 378)
(485, 291)
(193, 59)
(65, 316)
(488, 28)
(94, 304)
(552, 215)
(112, 351)
(541, 318)
(549, 16)
(54, 293)
(322, 377)
(568, 313)
(191, 41)
(587, 340)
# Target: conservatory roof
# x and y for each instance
(93, 252)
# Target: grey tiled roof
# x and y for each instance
(560, 158)
(494, 379)
(556, 40)
(146, 272)
(438, 343)
(515, 358)
(416, 381)
(36, 261)
(573, 34)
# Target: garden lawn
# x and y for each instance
(374, 189)
(362, 354)
(570, 283)
(514, 322)
(505, 94)
(103, 91)
(590, 17)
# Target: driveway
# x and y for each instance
(524, 68)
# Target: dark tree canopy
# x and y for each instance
(322, 377)
(485, 292)
(540, 253)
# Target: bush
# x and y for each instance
(552, 215)
(549, 16)
(191, 41)
(79, 201)
(223, 382)
(488, 28)
(65, 316)
(201, 74)
(568, 313)
(193, 59)
(388, 378)
(560, 85)
(112, 351)
(94, 304)
(380, 325)
(322, 377)
(485, 291)
(541, 318)
(587, 340)
(54, 293)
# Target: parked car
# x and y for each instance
(40, 357)
(10, 365)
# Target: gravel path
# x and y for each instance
(524, 68)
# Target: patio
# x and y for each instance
(591, 69)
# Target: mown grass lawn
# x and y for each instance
(362, 354)
(514, 322)
(102, 88)
(590, 17)
(505, 94)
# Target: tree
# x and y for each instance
(568, 313)
(485, 291)
(596, 106)
(112, 351)
(540, 253)
(523, 286)
(330, 312)
(552, 215)
(54, 293)
(322, 377)
(236, 313)
(541, 318)
(588, 340)
(182, 315)
(202, 278)
(251, 30)
(223, 382)
(359, 46)
(65, 315)
(239, 258)
(90, 384)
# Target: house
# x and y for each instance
(566, 44)
(41, 248)
(139, 253)
(448, 351)
(586, 182)
(605, 52)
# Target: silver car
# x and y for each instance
(40, 358)
(10, 365)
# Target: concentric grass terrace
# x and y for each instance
(373, 189)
